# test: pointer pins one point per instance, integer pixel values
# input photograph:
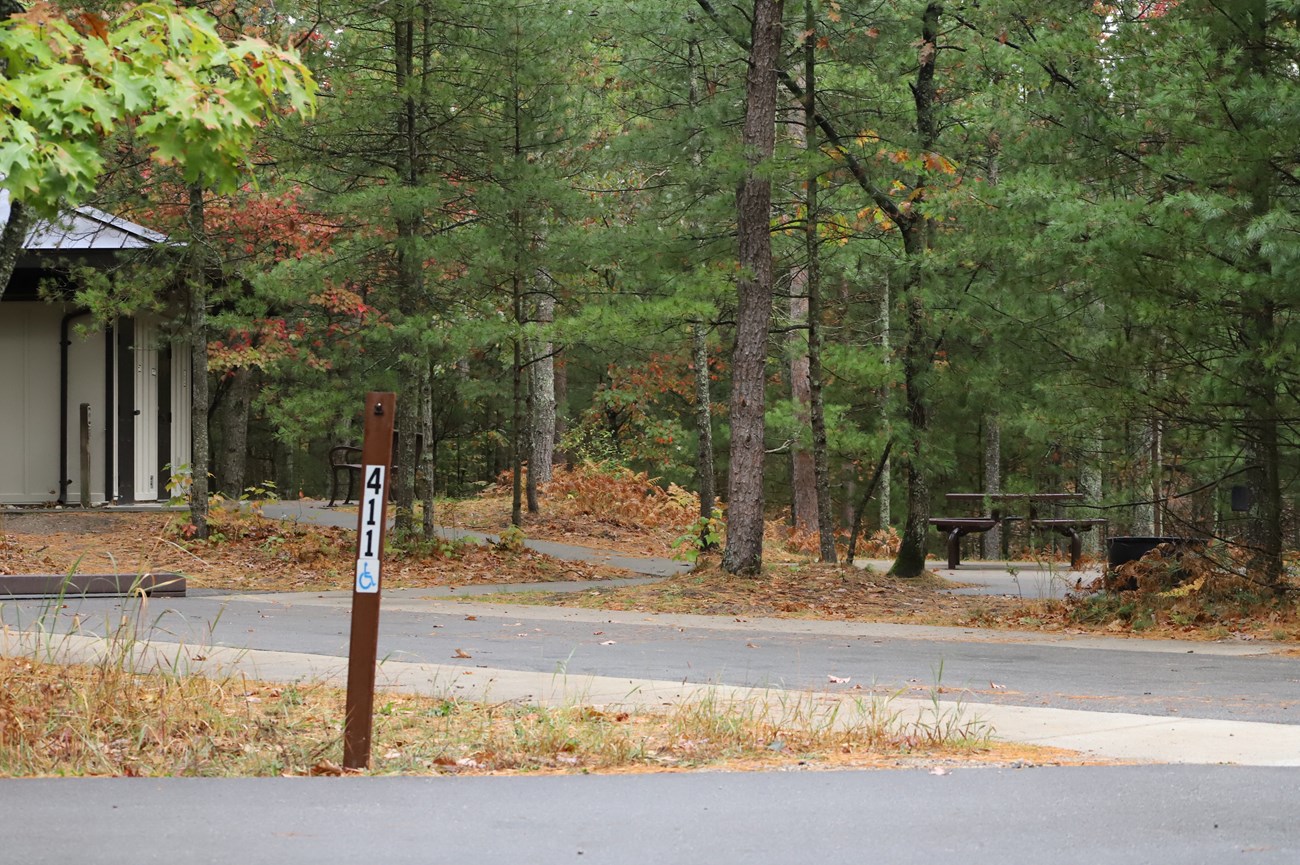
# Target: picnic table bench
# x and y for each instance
(346, 459)
(958, 527)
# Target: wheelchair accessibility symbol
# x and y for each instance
(367, 581)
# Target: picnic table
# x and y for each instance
(958, 527)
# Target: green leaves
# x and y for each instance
(195, 100)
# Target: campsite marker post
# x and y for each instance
(376, 462)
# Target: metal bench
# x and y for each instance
(1070, 528)
(958, 527)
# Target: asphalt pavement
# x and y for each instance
(1102, 816)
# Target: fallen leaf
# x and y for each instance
(471, 618)
(939, 770)
(608, 643)
(326, 767)
(751, 645)
(461, 653)
(995, 686)
(836, 680)
(597, 633)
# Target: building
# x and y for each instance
(73, 392)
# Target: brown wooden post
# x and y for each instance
(376, 463)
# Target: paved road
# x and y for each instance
(1234, 681)
(1102, 816)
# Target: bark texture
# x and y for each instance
(541, 384)
(992, 479)
(744, 552)
(703, 420)
(917, 348)
(232, 460)
(803, 478)
(198, 316)
(15, 231)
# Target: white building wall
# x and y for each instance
(86, 385)
(29, 402)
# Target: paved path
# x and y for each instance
(1156, 815)
(313, 511)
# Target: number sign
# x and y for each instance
(372, 520)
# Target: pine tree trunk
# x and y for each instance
(886, 480)
(541, 385)
(744, 552)
(812, 251)
(803, 479)
(408, 424)
(198, 315)
(703, 420)
(232, 461)
(992, 480)
(1090, 486)
(428, 457)
(918, 342)
(410, 275)
(517, 411)
(1144, 512)
(561, 409)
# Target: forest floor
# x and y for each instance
(248, 551)
(627, 513)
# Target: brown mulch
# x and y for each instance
(248, 552)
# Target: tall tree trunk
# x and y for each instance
(812, 251)
(232, 461)
(803, 479)
(428, 457)
(992, 479)
(744, 552)
(1090, 486)
(561, 408)
(918, 345)
(21, 219)
(517, 416)
(886, 479)
(703, 420)
(705, 473)
(1144, 446)
(198, 315)
(541, 390)
(408, 426)
(410, 269)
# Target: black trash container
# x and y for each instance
(1121, 550)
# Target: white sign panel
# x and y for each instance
(372, 517)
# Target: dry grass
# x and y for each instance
(102, 719)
